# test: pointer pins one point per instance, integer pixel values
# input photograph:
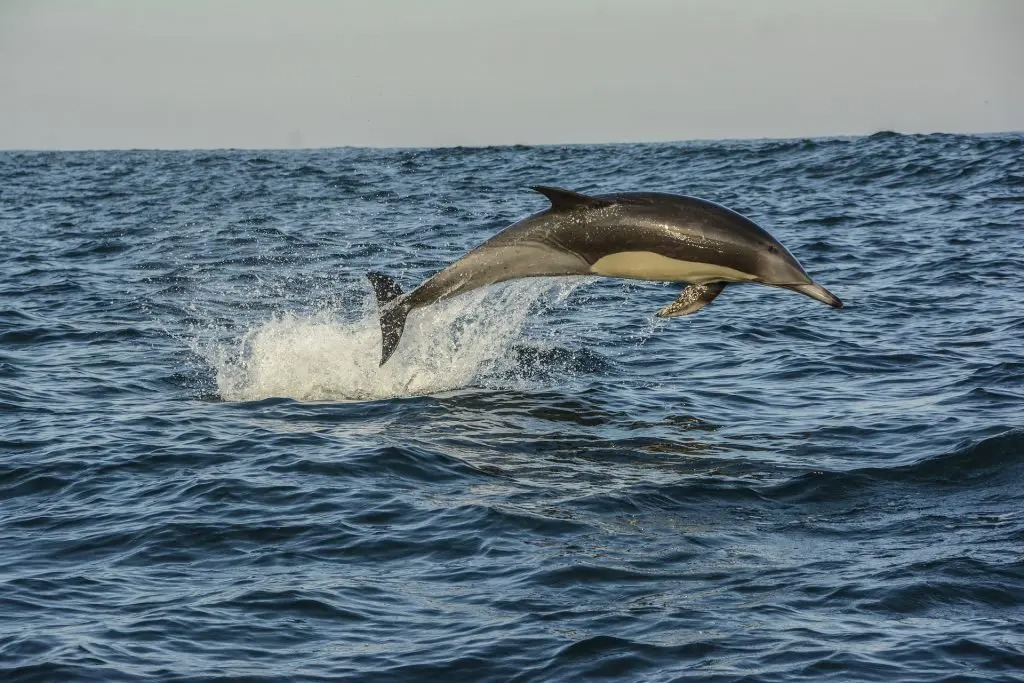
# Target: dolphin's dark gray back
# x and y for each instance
(677, 226)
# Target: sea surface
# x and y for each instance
(204, 474)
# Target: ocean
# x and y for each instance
(205, 476)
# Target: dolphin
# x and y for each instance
(635, 235)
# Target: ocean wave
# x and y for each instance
(994, 460)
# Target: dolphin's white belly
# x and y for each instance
(647, 265)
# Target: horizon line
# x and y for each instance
(508, 144)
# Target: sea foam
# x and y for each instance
(325, 356)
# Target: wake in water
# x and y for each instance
(463, 342)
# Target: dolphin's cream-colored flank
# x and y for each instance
(637, 235)
(647, 265)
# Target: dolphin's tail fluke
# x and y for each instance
(393, 312)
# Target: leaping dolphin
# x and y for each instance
(636, 235)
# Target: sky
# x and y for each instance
(115, 74)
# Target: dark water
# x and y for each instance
(204, 475)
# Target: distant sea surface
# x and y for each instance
(204, 475)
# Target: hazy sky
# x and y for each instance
(80, 74)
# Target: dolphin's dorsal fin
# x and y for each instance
(566, 200)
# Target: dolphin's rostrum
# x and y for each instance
(638, 235)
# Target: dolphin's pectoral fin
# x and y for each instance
(693, 298)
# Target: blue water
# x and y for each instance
(205, 476)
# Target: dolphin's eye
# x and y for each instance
(772, 249)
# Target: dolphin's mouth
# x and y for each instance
(816, 291)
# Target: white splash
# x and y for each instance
(323, 357)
